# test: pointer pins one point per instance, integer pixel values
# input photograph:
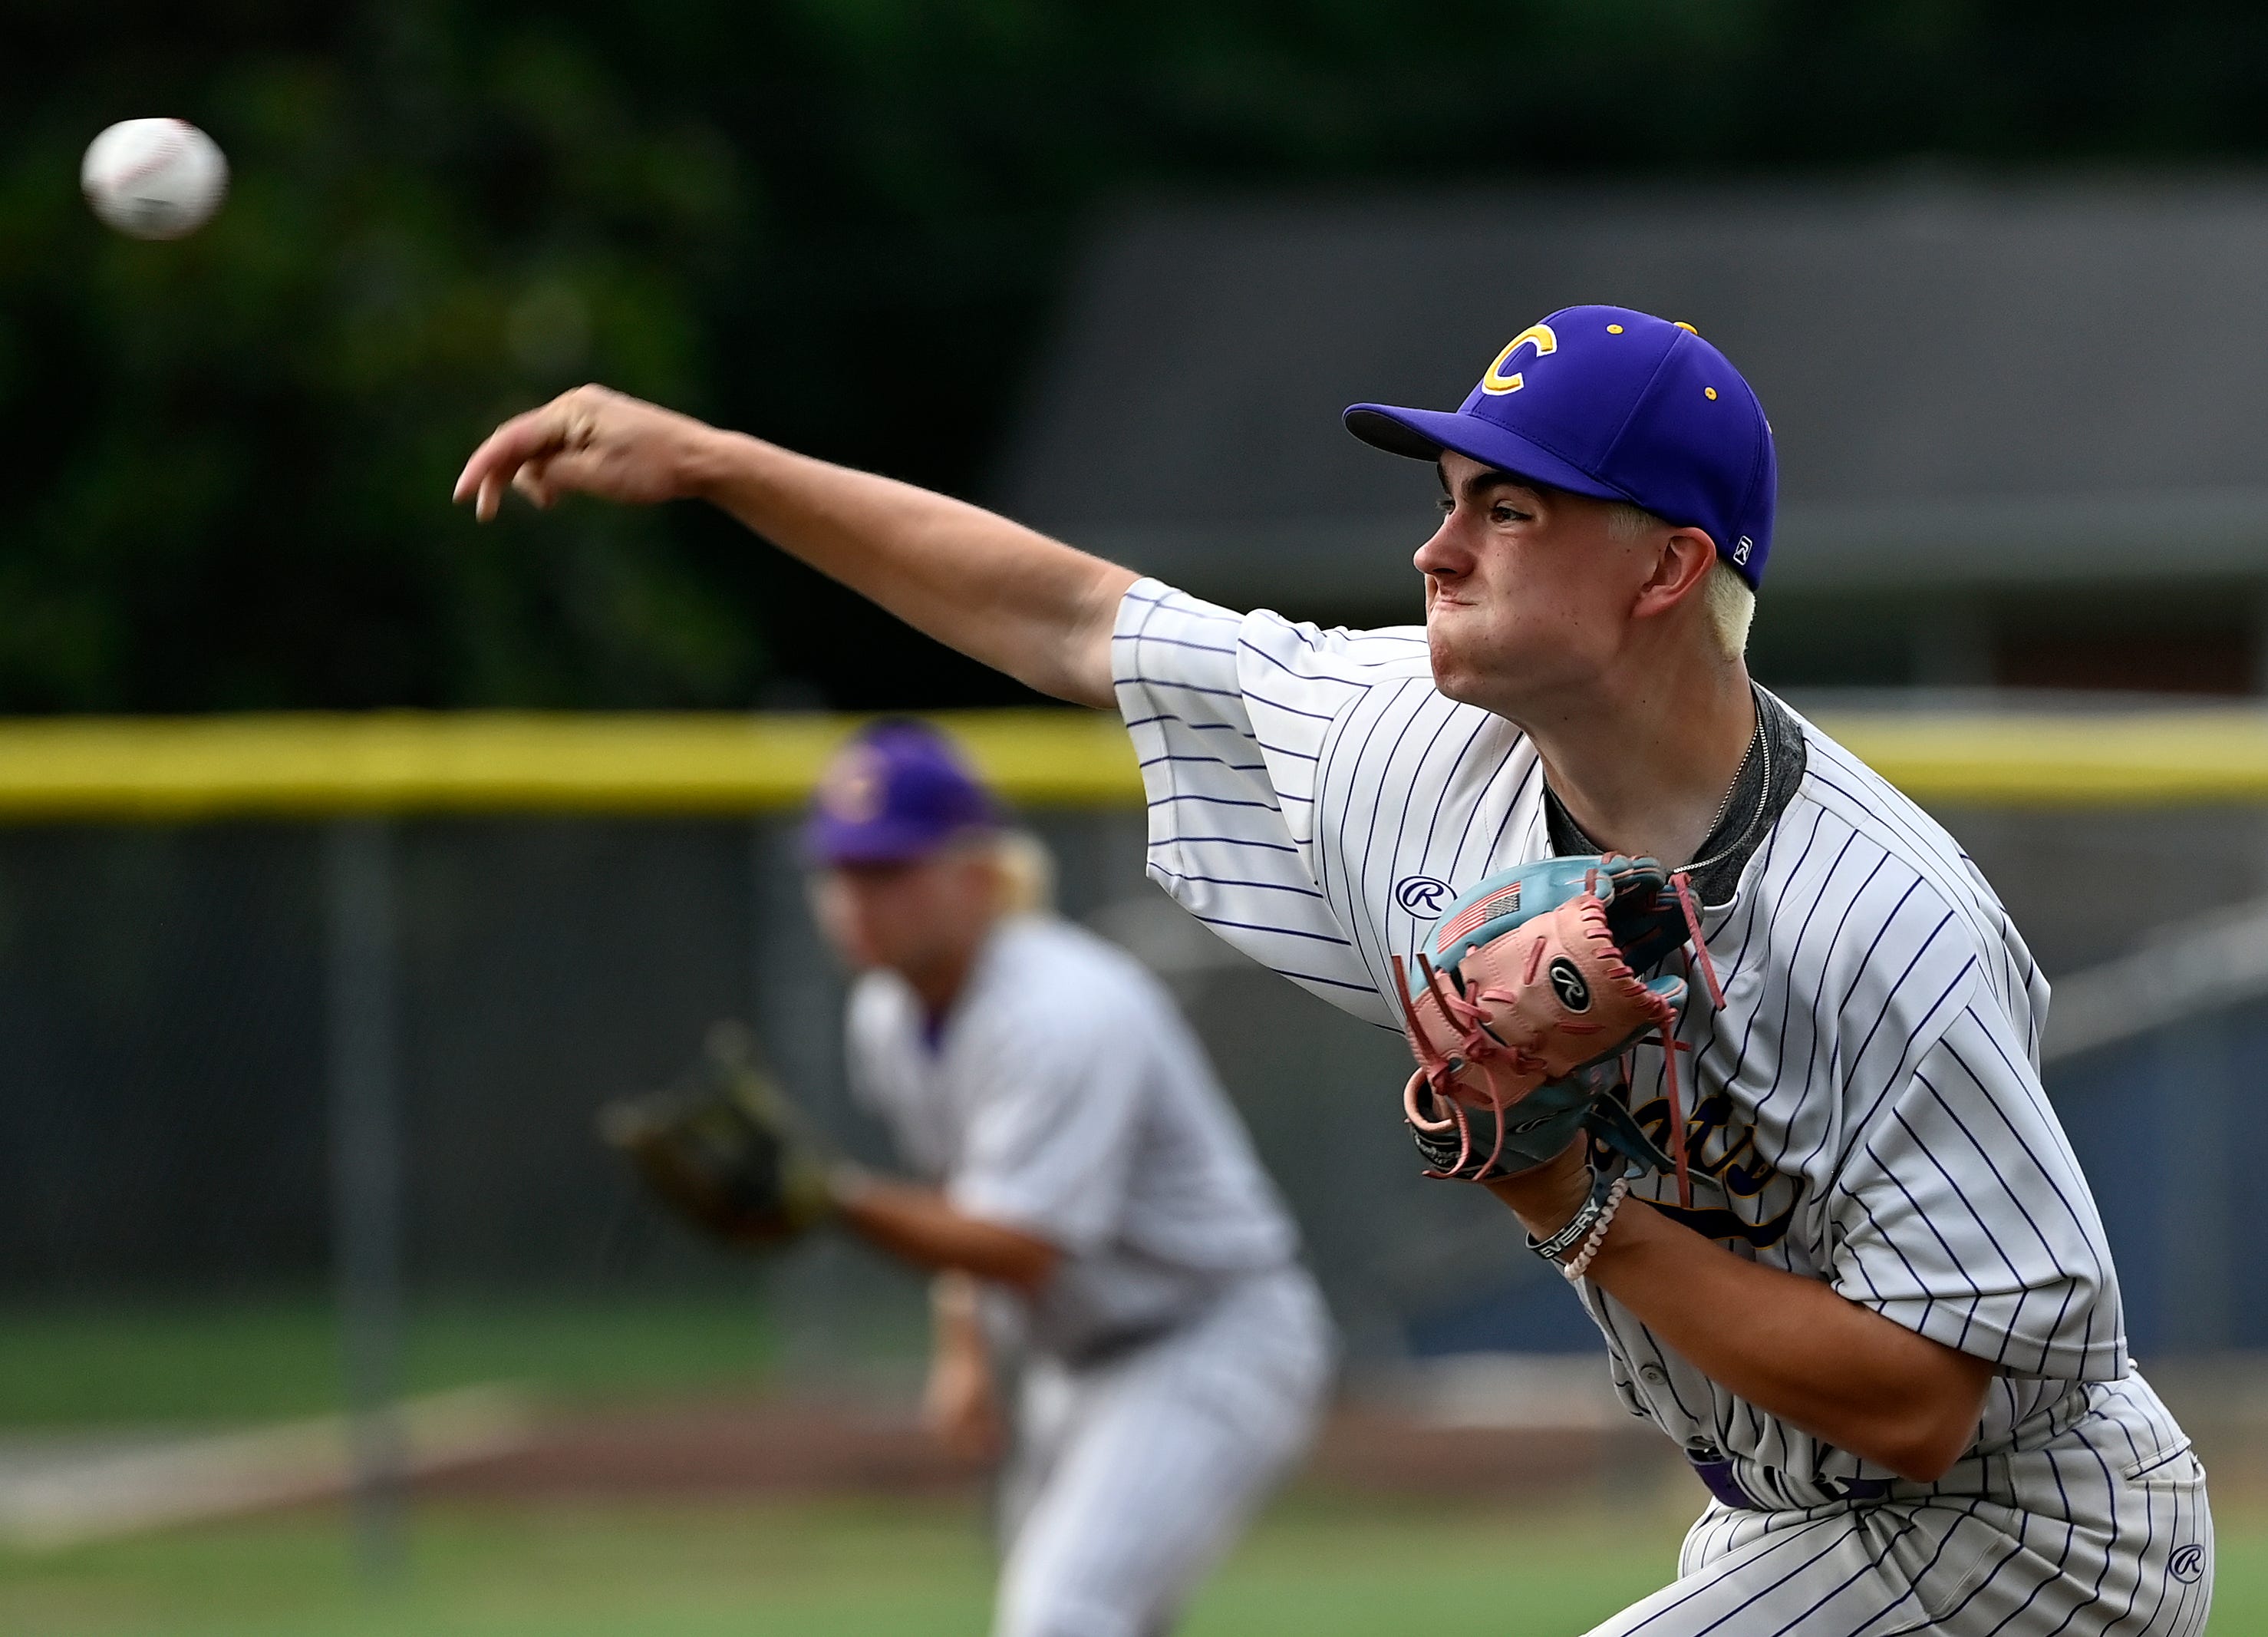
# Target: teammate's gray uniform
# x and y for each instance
(1175, 1362)
(1866, 1108)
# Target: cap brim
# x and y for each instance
(1422, 434)
(829, 842)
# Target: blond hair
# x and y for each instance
(1028, 873)
(1730, 604)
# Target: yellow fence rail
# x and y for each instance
(2154, 758)
(171, 769)
(496, 762)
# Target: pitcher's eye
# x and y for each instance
(1444, 505)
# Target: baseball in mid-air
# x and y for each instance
(154, 179)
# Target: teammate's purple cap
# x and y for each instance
(1619, 405)
(896, 792)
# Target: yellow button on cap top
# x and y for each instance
(1613, 329)
(1712, 391)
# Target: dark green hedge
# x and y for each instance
(223, 464)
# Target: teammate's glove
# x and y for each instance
(1533, 991)
(726, 1150)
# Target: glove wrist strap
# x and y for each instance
(1602, 1198)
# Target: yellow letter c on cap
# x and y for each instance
(1540, 337)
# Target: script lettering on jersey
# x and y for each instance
(1496, 382)
(1717, 1148)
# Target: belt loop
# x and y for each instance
(1714, 1468)
(1863, 1488)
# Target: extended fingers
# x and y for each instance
(529, 480)
(505, 451)
(498, 461)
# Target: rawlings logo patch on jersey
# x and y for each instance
(1422, 894)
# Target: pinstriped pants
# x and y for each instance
(2094, 1534)
(1131, 1478)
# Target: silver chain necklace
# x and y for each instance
(1760, 743)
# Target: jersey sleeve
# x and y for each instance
(1048, 1148)
(1231, 714)
(1961, 1213)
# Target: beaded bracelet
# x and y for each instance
(1575, 1270)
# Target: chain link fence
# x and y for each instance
(172, 1089)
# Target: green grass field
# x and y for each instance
(843, 1568)
(266, 1358)
(1311, 1568)
(1316, 1566)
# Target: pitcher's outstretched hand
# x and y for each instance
(591, 441)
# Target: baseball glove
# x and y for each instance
(726, 1149)
(1533, 993)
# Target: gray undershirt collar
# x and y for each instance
(1749, 817)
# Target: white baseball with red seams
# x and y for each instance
(154, 178)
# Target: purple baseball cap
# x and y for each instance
(1621, 406)
(897, 792)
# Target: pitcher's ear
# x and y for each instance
(1680, 564)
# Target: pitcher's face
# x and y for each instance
(1528, 591)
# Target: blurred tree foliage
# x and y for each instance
(837, 222)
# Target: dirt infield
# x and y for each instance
(1507, 1428)
(783, 1447)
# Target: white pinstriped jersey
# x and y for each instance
(1065, 1097)
(1177, 1358)
(1864, 1108)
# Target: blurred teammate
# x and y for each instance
(1091, 1202)
(1887, 1330)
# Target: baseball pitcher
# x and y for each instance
(1738, 1033)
